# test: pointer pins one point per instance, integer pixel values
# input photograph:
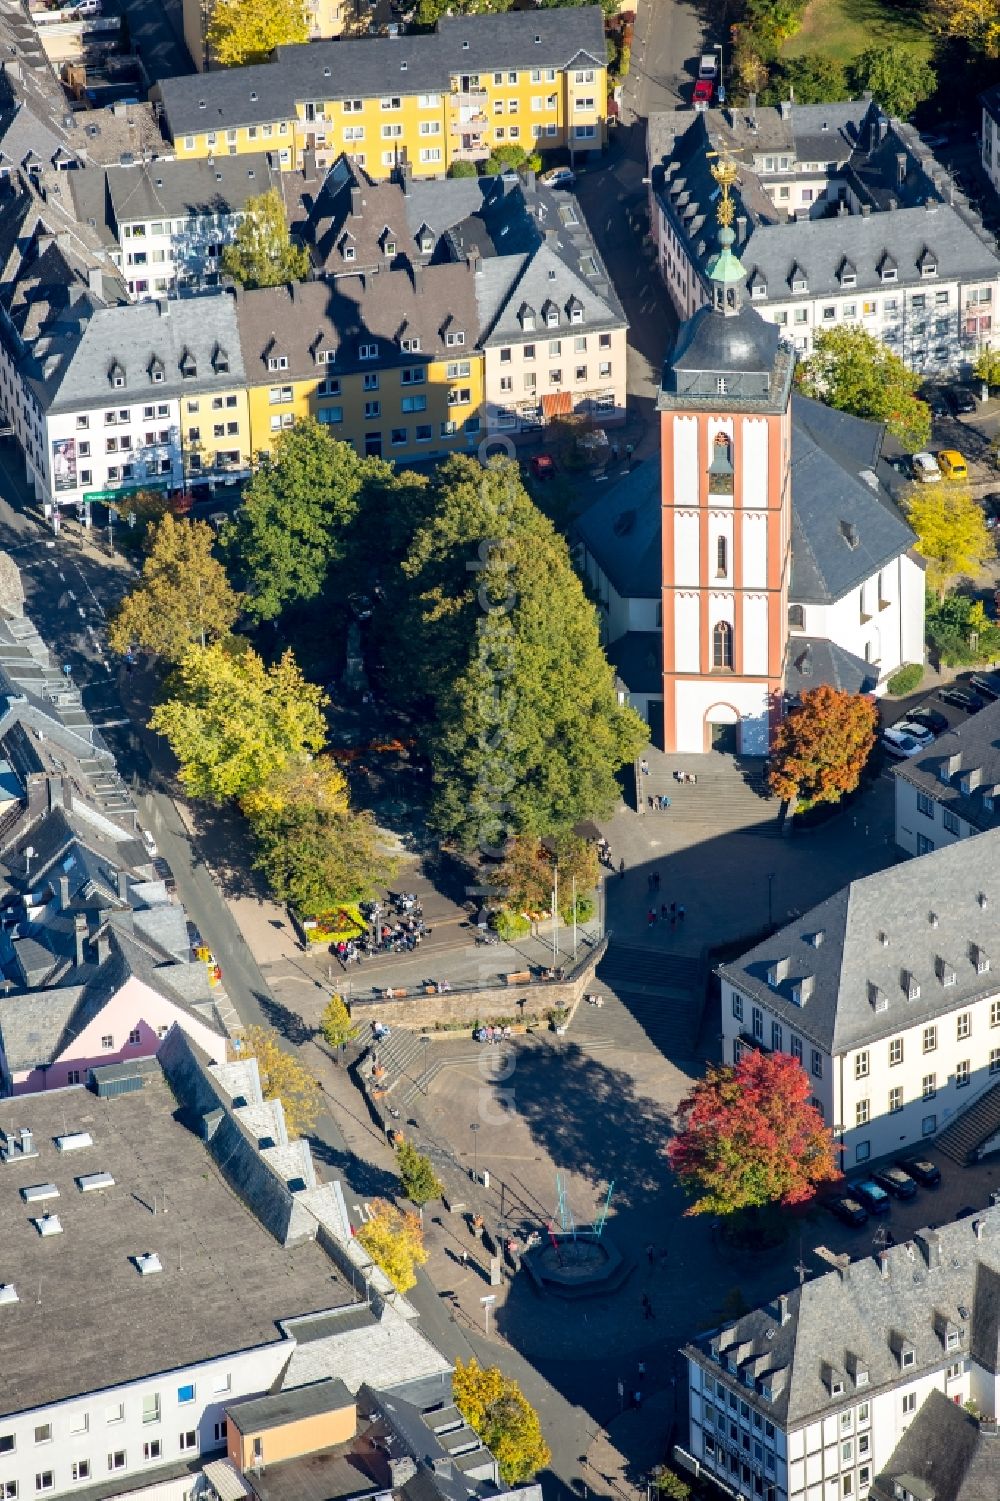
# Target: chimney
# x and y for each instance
(401, 1470)
(752, 104)
(54, 788)
(783, 1314)
(786, 109)
(95, 281)
(118, 109)
(63, 893)
(103, 946)
(356, 200)
(866, 211)
(930, 1246)
(890, 203)
(417, 272)
(900, 168)
(741, 229)
(474, 263)
(872, 134)
(529, 181)
(883, 1265)
(308, 163)
(122, 884)
(164, 305)
(442, 1466)
(404, 173)
(79, 936)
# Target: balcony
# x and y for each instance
(476, 98)
(469, 152)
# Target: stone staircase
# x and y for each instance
(727, 794)
(963, 1137)
(648, 998)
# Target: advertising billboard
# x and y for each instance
(63, 464)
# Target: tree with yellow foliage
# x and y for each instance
(308, 781)
(975, 21)
(284, 1078)
(951, 531)
(183, 597)
(246, 31)
(495, 1407)
(395, 1242)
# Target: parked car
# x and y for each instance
(543, 465)
(848, 1210)
(925, 467)
(952, 464)
(962, 400)
(986, 685)
(558, 177)
(874, 1199)
(916, 731)
(991, 508)
(938, 402)
(961, 698)
(931, 720)
(701, 98)
(898, 744)
(895, 1181)
(925, 1172)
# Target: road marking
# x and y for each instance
(69, 591)
(58, 570)
(81, 612)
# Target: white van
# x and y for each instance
(925, 467)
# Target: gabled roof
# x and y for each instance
(937, 914)
(973, 746)
(945, 1453)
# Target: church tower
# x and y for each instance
(725, 452)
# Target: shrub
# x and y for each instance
(462, 169)
(906, 680)
(585, 907)
(510, 925)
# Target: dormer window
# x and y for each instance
(349, 252)
(368, 352)
(156, 371)
(928, 264)
(847, 274)
(527, 317)
(575, 309)
(277, 362)
(758, 287)
(189, 365)
(220, 360)
(798, 280)
(551, 316)
(453, 337)
(325, 356)
(888, 270)
(426, 243)
(907, 1356)
(116, 374)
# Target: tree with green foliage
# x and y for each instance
(951, 529)
(232, 721)
(296, 513)
(420, 1182)
(463, 169)
(898, 77)
(853, 371)
(183, 597)
(318, 861)
(669, 1486)
(820, 748)
(511, 158)
(811, 78)
(959, 632)
(240, 32)
(749, 1137)
(495, 1407)
(527, 730)
(524, 878)
(987, 367)
(395, 1242)
(308, 781)
(261, 253)
(335, 1025)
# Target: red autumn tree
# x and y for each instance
(749, 1137)
(819, 749)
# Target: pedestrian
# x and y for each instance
(615, 450)
(465, 1257)
(638, 1399)
(644, 767)
(621, 869)
(649, 883)
(664, 911)
(651, 1253)
(651, 917)
(680, 912)
(642, 1370)
(673, 911)
(656, 880)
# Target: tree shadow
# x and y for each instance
(361, 1179)
(288, 1024)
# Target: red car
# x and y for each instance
(702, 96)
(543, 466)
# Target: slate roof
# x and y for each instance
(976, 742)
(73, 363)
(623, 533)
(844, 528)
(347, 312)
(930, 912)
(811, 660)
(169, 189)
(945, 1449)
(740, 347)
(857, 1320)
(929, 213)
(369, 67)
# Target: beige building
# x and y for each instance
(326, 18)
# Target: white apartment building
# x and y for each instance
(809, 1399)
(843, 216)
(951, 790)
(886, 995)
(113, 397)
(166, 223)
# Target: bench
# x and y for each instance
(519, 977)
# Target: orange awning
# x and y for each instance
(558, 404)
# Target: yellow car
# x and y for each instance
(952, 465)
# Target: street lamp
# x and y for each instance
(425, 1040)
(770, 905)
(720, 92)
(475, 1150)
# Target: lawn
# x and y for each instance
(840, 29)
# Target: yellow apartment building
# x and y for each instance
(215, 434)
(388, 363)
(536, 80)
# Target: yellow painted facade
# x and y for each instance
(395, 413)
(216, 435)
(543, 109)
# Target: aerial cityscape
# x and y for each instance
(499, 750)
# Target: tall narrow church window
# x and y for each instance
(722, 645)
(721, 557)
(796, 617)
(720, 469)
